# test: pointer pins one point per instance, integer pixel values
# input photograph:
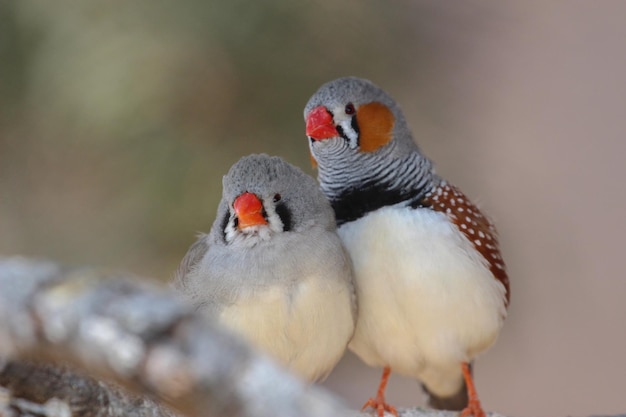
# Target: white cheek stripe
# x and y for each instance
(353, 137)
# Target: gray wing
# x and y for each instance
(194, 255)
(349, 272)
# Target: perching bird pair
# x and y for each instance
(420, 260)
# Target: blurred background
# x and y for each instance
(118, 119)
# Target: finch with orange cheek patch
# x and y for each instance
(432, 287)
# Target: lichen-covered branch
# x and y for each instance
(45, 390)
(121, 328)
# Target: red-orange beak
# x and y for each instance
(249, 210)
(320, 124)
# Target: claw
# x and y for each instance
(379, 403)
(380, 406)
(473, 409)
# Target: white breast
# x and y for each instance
(427, 300)
(307, 328)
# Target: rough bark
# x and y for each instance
(38, 389)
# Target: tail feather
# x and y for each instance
(456, 402)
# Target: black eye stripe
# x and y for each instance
(355, 125)
(341, 132)
(285, 216)
(225, 224)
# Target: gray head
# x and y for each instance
(264, 195)
(363, 148)
(360, 113)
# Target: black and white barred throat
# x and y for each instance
(357, 183)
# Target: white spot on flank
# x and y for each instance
(468, 219)
(463, 226)
(477, 242)
(453, 202)
(471, 231)
(481, 234)
(460, 209)
(499, 265)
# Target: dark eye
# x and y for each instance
(349, 108)
(277, 198)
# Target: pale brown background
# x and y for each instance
(117, 120)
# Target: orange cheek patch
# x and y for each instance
(375, 126)
(313, 161)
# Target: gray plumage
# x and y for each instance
(280, 284)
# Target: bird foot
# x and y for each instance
(380, 406)
(473, 409)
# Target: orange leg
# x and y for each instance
(473, 406)
(379, 403)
